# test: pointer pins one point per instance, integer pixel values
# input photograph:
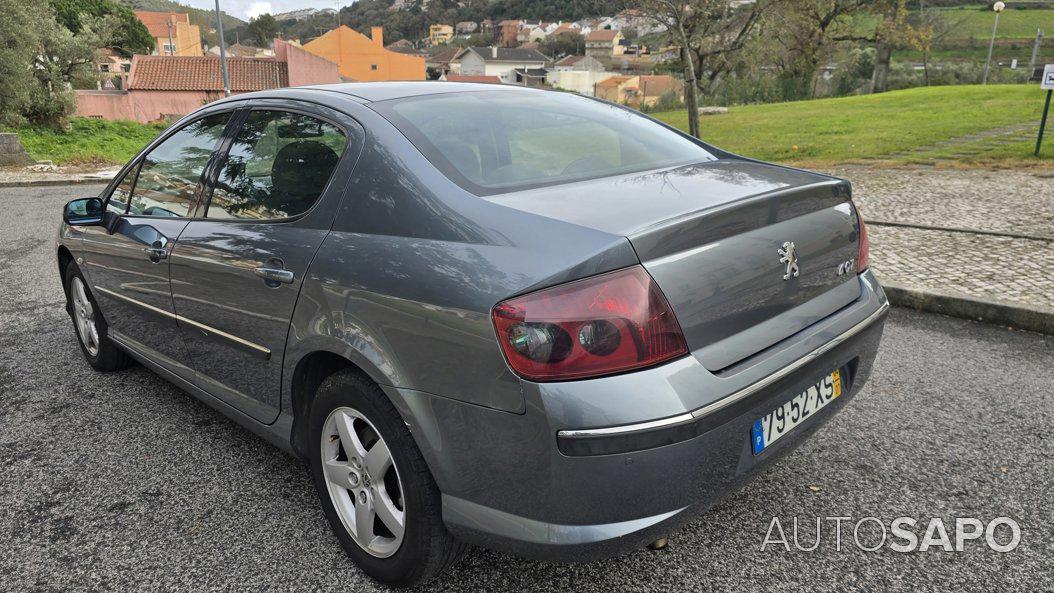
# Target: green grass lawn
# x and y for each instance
(1013, 23)
(89, 141)
(976, 22)
(848, 129)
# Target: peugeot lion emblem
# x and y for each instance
(789, 256)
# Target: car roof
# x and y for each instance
(384, 91)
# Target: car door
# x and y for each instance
(238, 267)
(126, 260)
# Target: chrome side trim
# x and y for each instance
(263, 350)
(731, 399)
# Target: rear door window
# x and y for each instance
(170, 173)
(278, 166)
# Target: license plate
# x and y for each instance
(772, 426)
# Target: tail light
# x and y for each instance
(862, 251)
(606, 324)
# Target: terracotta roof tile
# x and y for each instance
(202, 73)
(601, 35)
(613, 81)
(467, 78)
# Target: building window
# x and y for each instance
(170, 49)
(373, 66)
(104, 67)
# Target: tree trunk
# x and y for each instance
(880, 77)
(690, 100)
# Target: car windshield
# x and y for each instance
(497, 141)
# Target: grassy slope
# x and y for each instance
(89, 141)
(974, 22)
(1013, 23)
(846, 129)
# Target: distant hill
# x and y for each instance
(303, 13)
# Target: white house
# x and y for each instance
(582, 82)
(578, 63)
(496, 61)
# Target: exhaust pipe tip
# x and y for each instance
(660, 544)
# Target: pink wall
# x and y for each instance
(141, 106)
(305, 67)
(302, 66)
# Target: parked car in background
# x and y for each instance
(485, 315)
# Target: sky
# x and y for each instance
(247, 9)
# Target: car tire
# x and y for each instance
(426, 548)
(98, 349)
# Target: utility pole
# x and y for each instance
(1035, 49)
(171, 44)
(997, 7)
(223, 52)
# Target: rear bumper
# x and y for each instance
(595, 468)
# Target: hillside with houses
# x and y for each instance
(595, 56)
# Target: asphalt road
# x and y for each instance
(123, 482)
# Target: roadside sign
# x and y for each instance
(1047, 81)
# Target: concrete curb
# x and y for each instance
(1016, 315)
(54, 182)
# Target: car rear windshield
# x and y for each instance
(499, 141)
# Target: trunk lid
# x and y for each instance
(710, 236)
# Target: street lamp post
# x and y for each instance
(997, 7)
(223, 52)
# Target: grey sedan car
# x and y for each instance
(483, 314)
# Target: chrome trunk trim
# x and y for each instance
(720, 404)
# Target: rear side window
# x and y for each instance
(170, 173)
(494, 141)
(278, 166)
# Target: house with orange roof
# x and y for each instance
(637, 91)
(166, 87)
(365, 59)
(604, 43)
(172, 32)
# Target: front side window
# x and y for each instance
(118, 202)
(169, 174)
(493, 141)
(278, 166)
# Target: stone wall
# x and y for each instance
(11, 150)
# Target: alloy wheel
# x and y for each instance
(363, 482)
(84, 317)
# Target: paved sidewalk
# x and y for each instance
(983, 238)
(27, 177)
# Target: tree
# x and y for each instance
(40, 57)
(564, 44)
(930, 28)
(807, 33)
(262, 30)
(130, 36)
(63, 57)
(20, 32)
(707, 31)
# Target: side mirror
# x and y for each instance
(84, 212)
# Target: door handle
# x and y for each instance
(274, 276)
(156, 254)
